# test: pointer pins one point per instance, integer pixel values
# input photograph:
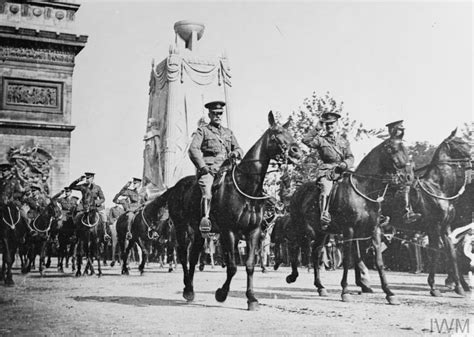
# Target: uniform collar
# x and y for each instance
(213, 126)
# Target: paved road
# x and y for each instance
(58, 304)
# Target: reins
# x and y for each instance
(242, 192)
(449, 162)
(88, 224)
(11, 224)
(150, 229)
(379, 199)
(36, 229)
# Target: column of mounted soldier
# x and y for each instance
(29, 222)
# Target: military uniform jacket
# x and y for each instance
(97, 194)
(331, 149)
(131, 202)
(67, 204)
(211, 145)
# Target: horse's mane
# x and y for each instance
(457, 142)
(371, 163)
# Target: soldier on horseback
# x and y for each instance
(97, 197)
(68, 202)
(35, 201)
(211, 145)
(336, 155)
(130, 198)
(396, 130)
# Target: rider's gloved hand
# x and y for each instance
(205, 170)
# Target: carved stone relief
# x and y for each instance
(32, 95)
(36, 55)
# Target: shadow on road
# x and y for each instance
(144, 301)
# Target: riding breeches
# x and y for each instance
(325, 185)
(205, 184)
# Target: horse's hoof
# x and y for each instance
(367, 290)
(323, 292)
(48, 264)
(221, 295)
(291, 278)
(346, 297)
(188, 295)
(275, 267)
(141, 272)
(170, 270)
(264, 270)
(9, 282)
(78, 273)
(99, 274)
(460, 291)
(24, 270)
(435, 293)
(201, 267)
(60, 270)
(125, 272)
(392, 300)
(252, 306)
(112, 263)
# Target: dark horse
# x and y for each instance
(147, 223)
(442, 183)
(39, 237)
(13, 228)
(236, 209)
(356, 202)
(90, 232)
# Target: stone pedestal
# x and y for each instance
(37, 50)
(180, 85)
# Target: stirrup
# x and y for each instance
(205, 225)
(325, 220)
(128, 236)
(107, 237)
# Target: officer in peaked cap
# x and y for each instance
(97, 197)
(211, 145)
(396, 130)
(335, 152)
(131, 196)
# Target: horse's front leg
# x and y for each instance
(434, 244)
(294, 245)
(361, 272)
(181, 236)
(196, 247)
(377, 242)
(252, 242)
(79, 249)
(228, 248)
(316, 253)
(346, 262)
(143, 246)
(43, 247)
(8, 258)
(451, 252)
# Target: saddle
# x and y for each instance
(220, 176)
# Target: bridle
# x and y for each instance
(51, 218)
(281, 157)
(150, 229)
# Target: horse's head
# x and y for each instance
(453, 149)
(389, 158)
(281, 144)
(54, 209)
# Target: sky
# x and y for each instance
(385, 60)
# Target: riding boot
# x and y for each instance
(409, 216)
(205, 224)
(325, 216)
